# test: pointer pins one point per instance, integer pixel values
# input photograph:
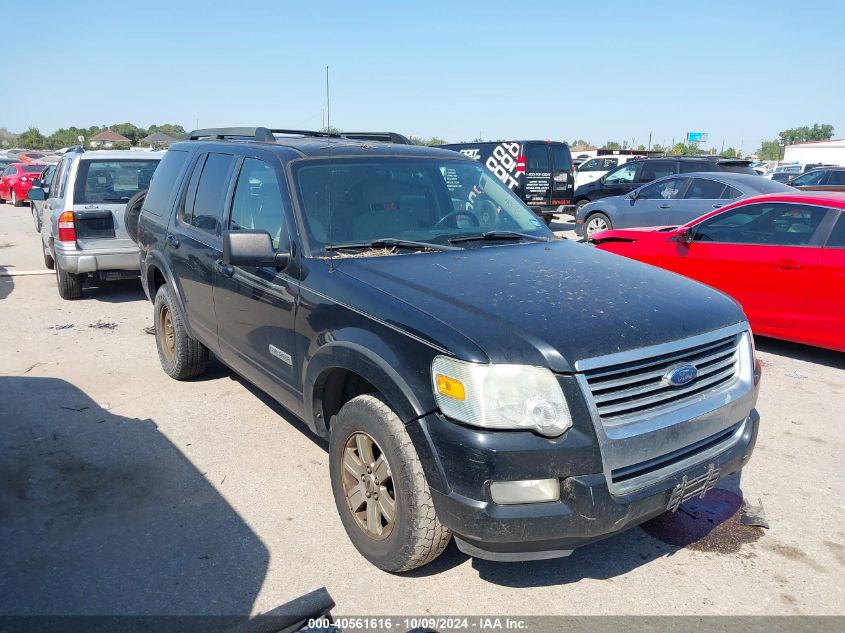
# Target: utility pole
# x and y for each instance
(328, 106)
(723, 147)
(649, 141)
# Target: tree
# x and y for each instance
(612, 145)
(7, 138)
(32, 139)
(641, 148)
(174, 130)
(580, 143)
(130, 131)
(817, 132)
(769, 150)
(657, 147)
(730, 153)
(684, 149)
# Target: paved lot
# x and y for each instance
(123, 491)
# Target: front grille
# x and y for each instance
(639, 387)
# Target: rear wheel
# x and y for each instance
(181, 356)
(380, 489)
(15, 201)
(49, 262)
(596, 222)
(69, 284)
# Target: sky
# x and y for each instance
(741, 71)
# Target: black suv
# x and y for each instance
(474, 376)
(635, 173)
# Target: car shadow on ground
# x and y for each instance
(121, 291)
(797, 351)
(7, 284)
(103, 515)
(563, 223)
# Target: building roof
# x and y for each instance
(158, 137)
(833, 142)
(109, 136)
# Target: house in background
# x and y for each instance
(158, 140)
(108, 139)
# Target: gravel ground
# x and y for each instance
(125, 492)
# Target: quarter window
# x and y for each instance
(774, 224)
(164, 178)
(837, 237)
(258, 200)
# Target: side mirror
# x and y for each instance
(36, 193)
(251, 248)
(634, 195)
(687, 235)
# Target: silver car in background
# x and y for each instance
(671, 201)
(82, 230)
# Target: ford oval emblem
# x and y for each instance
(680, 375)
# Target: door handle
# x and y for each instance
(224, 269)
(718, 206)
(787, 264)
(173, 241)
(665, 206)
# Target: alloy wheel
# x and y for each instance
(368, 486)
(595, 225)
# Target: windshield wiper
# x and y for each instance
(389, 242)
(498, 235)
(115, 199)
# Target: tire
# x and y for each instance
(49, 262)
(132, 213)
(15, 202)
(181, 356)
(580, 204)
(598, 222)
(416, 537)
(70, 284)
(36, 218)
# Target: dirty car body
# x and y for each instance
(331, 318)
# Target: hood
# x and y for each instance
(546, 304)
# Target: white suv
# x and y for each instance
(82, 229)
(595, 168)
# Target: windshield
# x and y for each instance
(351, 201)
(33, 169)
(111, 180)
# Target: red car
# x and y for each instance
(782, 256)
(16, 180)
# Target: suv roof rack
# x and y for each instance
(268, 134)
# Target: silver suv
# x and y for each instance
(82, 230)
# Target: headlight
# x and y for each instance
(500, 396)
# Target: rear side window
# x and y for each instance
(689, 166)
(210, 198)
(836, 177)
(703, 189)
(164, 179)
(653, 169)
(111, 181)
(837, 237)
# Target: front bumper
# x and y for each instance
(74, 260)
(587, 511)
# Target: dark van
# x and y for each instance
(539, 172)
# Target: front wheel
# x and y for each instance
(580, 204)
(36, 219)
(380, 488)
(595, 223)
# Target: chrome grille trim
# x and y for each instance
(634, 388)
